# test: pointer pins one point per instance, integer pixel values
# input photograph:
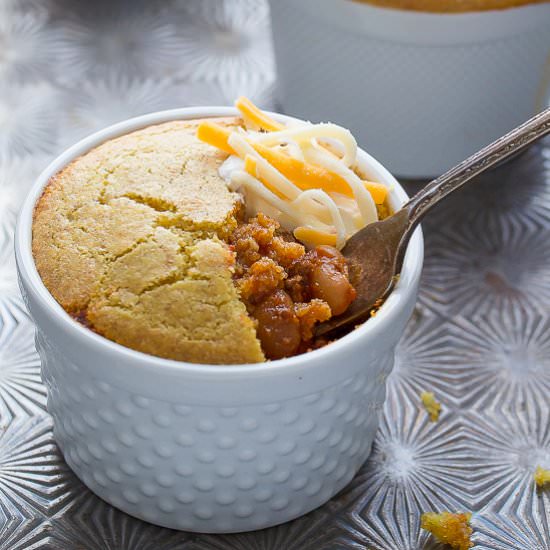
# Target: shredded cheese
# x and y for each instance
(314, 237)
(215, 135)
(291, 171)
(251, 167)
(321, 197)
(283, 184)
(305, 133)
(255, 117)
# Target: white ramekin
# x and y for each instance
(203, 447)
(420, 91)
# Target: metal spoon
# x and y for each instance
(375, 254)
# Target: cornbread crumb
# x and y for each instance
(542, 477)
(449, 528)
(129, 239)
(433, 407)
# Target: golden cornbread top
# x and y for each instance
(129, 239)
(451, 6)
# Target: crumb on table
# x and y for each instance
(433, 407)
(542, 477)
(449, 528)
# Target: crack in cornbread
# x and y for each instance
(130, 239)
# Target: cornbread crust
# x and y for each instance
(129, 238)
(451, 6)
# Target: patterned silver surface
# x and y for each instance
(480, 337)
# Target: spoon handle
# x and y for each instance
(456, 177)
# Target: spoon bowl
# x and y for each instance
(375, 253)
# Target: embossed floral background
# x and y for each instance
(479, 339)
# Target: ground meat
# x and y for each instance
(260, 280)
(286, 289)
(309, 314)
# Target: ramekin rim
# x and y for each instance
(418, 27)
(29, 274)
(465, 15)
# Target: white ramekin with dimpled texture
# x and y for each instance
(203, 447)
(420, 91)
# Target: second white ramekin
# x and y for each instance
(420, 91)
(212, 448)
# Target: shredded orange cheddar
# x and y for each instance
(255, 116)
(314, 237)
(215, 135)
(302, 174)
(310, 176)
(378, 191)
(451, 529)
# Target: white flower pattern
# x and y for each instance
(28, 49)
(135, 38)
(227, 41)
(29, 118)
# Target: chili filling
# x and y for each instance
(285, 288)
